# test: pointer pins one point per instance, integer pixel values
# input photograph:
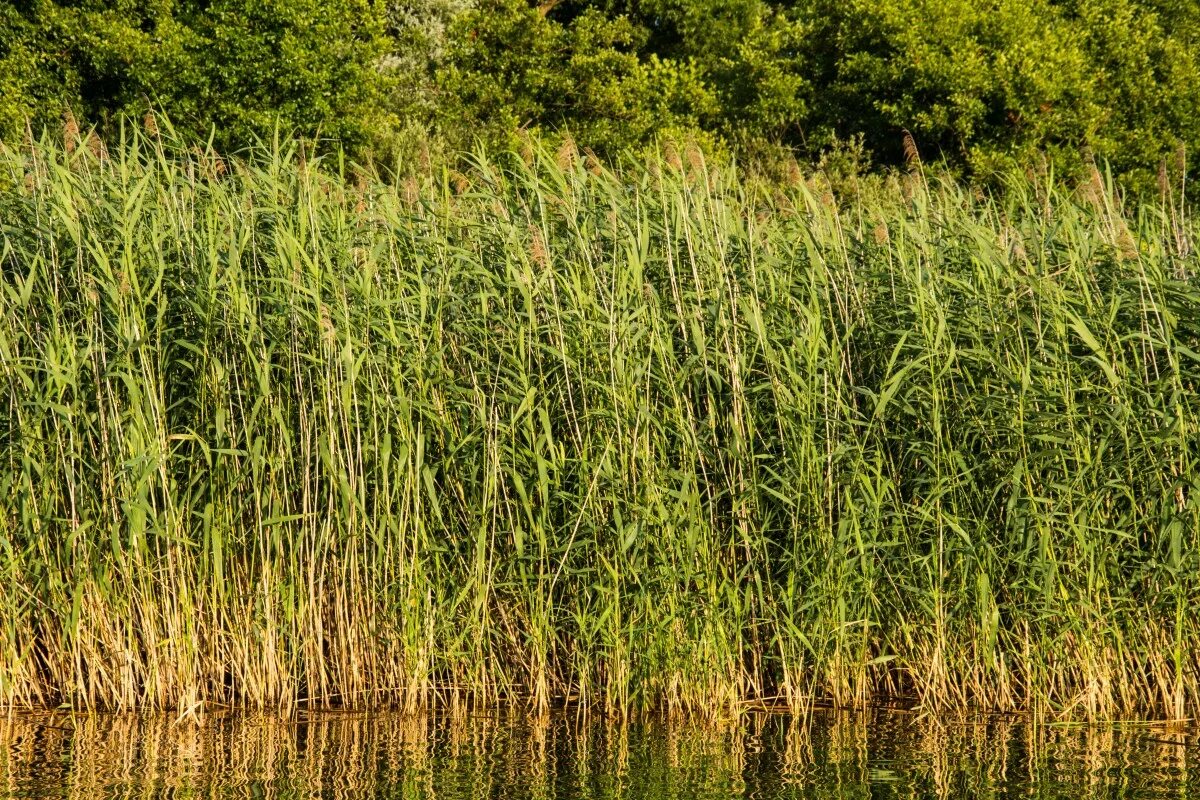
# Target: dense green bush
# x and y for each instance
(987, 84)
(512, 67)
(238, 68)
(88, 57)
(984, 86)
(618, 75)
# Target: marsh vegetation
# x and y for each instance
(278, 433)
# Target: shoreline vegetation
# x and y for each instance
(276, 433)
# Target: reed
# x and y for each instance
(277, 433)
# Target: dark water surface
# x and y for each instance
(507, 756)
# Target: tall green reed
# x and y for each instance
(276, 432)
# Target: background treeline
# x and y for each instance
(983, 85)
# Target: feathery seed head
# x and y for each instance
(70, 131)
(912, 156)
(537, 247)
(568, 155)
(671, 156)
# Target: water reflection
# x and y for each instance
(340, 756)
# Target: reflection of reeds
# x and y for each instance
(280, 438)
(344, 756)
(796, 754)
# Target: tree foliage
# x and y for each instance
(982, 85)
(235, 68)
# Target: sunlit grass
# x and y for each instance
(275, 432)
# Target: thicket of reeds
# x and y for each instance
(275, 432)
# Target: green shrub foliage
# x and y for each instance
(985, 86)
(237, 69)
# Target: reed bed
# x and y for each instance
(278, 433)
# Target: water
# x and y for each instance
(876, 755)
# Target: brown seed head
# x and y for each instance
(695, 159)
(525, 148)
(912, 156)
(568, 154)
(328, 332)
(96, 147)
(537, 247)
(795, 174)
(411, 190)
(592, 162)
(1092, 190)
(70, 131)
(1127, 248)
(671, 156)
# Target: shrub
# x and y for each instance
(237, 68)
